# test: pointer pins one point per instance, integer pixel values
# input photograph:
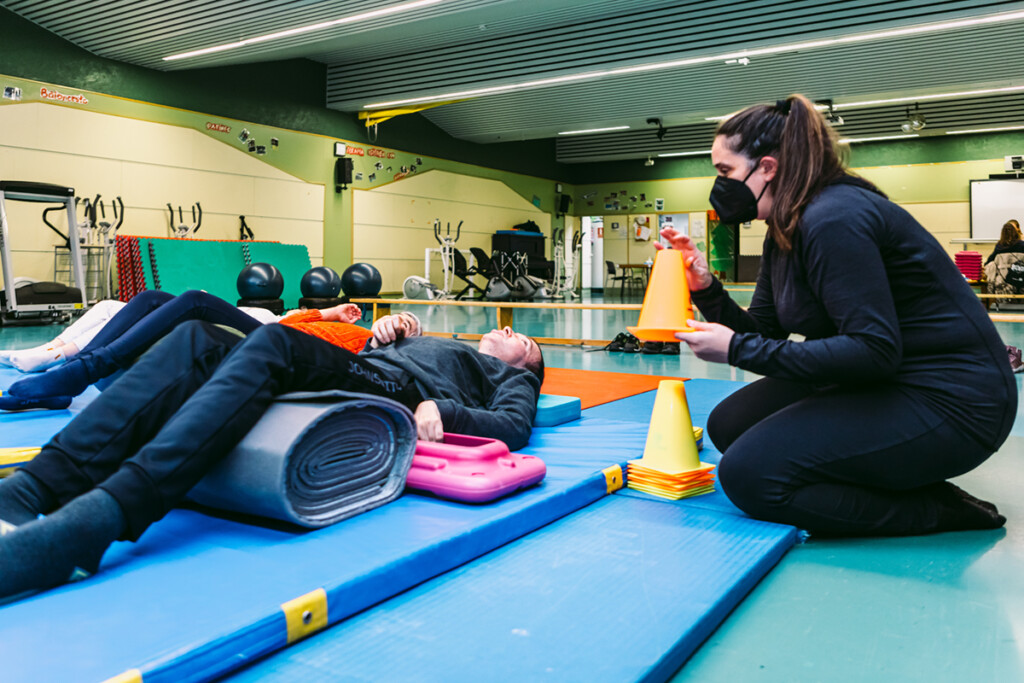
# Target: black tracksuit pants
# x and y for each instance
(184, 405)
(839, 461)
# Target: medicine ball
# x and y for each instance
(361, 280)
(260, 281)
(320, 282)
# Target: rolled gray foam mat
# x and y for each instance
(315, 459)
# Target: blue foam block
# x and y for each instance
(555, 410)
(623, 590)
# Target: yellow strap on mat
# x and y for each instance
(13, 458)
(613, 478)
(305, 614)
(130, 676)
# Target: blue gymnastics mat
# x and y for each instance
(623, 590)
(200, 595)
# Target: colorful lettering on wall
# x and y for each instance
(48, 94)
(380, 153)
(218, 127)
(354, 151)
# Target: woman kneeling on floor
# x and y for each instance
(901, 382)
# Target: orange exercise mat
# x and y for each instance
(594, 388)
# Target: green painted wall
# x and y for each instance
(915, 171)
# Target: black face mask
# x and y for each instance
(733, 201)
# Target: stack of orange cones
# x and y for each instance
(671, 466)
(667, 304)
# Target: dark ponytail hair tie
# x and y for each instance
(782, 106)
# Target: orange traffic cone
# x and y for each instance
(667, 304)
(671, 466)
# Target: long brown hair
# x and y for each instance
(1010, 233)
(807, 149)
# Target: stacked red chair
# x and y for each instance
(969, 263)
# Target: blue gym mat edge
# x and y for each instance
(216, 657)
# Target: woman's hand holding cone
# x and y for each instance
(709, 341)
(698, 274)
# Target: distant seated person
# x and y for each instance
(1004, 270)
(111, 335)
(1010, 241)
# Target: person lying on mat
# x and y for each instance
(113, 337)
(902, 381)
(135, 451)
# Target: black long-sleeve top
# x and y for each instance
(879, 301)
(1013, 248)
(476, 394)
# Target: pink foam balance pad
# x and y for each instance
(471, 469)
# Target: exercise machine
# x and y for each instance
(96, 235)
(40, 302)
(107, 234)
(182, 230)
(447, 247)
(416, 287)
(566, 265)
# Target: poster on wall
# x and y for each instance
(697, 226)
(642, 228)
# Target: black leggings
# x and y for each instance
(838, 461)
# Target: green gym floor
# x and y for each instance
(948, 607)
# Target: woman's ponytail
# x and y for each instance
(797, 135)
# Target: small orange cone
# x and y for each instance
(667, 304)
(671, 466)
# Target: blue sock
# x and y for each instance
(8, 402)
(69, 379)
(23, 498)
(68, 544)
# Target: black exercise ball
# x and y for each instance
(320, 283)
(260, 281)
(361, 279)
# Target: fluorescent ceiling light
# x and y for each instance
(659, 66)
(904, 100)
(686, 154)
(846, 141)
(984, 130)
(352, 19)
(593, 130)
(922, 98)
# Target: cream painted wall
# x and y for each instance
(148, 165)
(393, 224)
(937, 195)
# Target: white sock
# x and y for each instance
(37, 359)
(7, 354)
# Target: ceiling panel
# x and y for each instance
(633, 37)
(919, 65)
(457, 45)
(860, 122)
